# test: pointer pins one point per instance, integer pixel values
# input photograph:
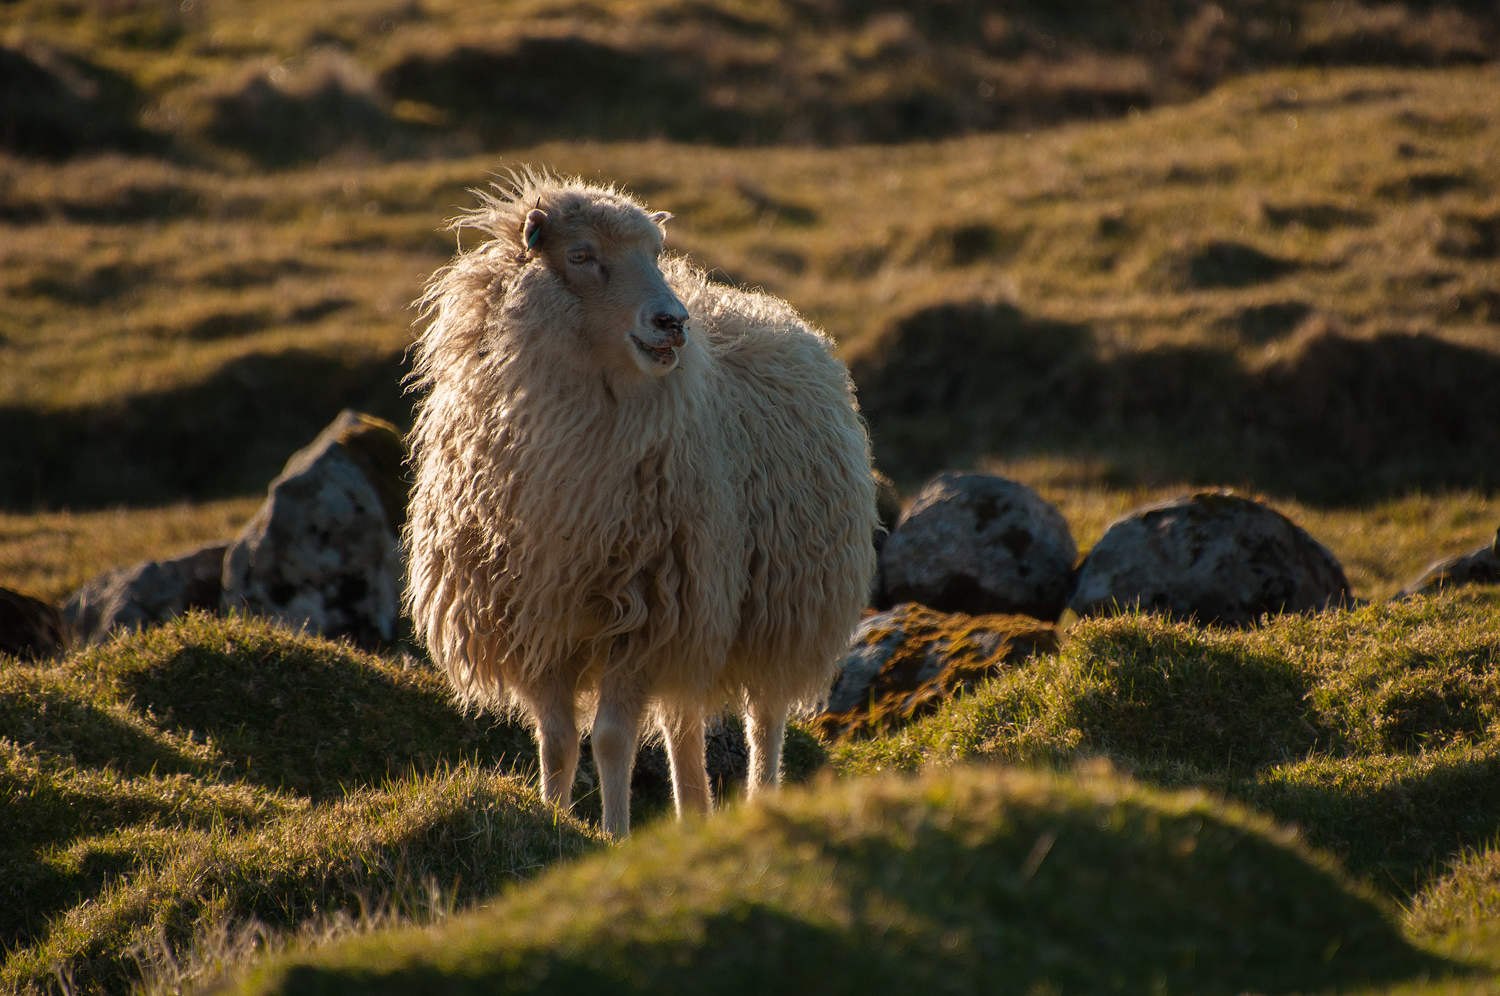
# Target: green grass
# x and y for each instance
(213, 792)
(214, 773)
(1376, 730)
(965, 881)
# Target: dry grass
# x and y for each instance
(170, 332)
(49, 554)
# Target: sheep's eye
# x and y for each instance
(580, 256)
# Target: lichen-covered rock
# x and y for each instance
(1214, 557)
(904, 663)
(1481, 566)
(29, 627)
(978, 543)
(146, 593)
(321, 552)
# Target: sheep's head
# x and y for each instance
(607, 252)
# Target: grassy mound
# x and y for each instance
(217, 772)
(1377, 730)
(967, 881)
(242, 700)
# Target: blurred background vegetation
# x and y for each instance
(1116, 250)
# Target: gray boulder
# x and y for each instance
(1481, 566)
(1213, 557)
(321, 552)
(904, 663)
(978, 543)
(147, 593)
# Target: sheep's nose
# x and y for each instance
(671, 324)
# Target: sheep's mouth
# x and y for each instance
(662, 355)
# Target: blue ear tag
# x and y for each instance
(536, 233)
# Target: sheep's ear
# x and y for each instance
(661, 218)
(531, 232)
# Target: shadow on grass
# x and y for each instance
(64, 728)
(1220, 707)
(44, 812)
(1397, 820)
(228, 435)
(319, 722)
(1337, 420)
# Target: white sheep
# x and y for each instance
(635, 490)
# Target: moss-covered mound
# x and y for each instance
(979, 880)
(218, 772)
(1377, 730)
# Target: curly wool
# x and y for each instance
(708, 530)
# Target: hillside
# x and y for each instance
(1202, 294)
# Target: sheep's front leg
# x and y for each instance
(683, 732)
(553, 710)
(617, 731)
(765, 727)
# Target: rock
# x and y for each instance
(1213, 557)
(1481, 566)
(904, 663)
(321, 552)
(147, 593)
(30, 628)
(978, 543)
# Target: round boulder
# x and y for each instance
(980, 544)
(1213, 557)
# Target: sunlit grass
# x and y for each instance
(49, 554)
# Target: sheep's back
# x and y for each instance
(808, 503)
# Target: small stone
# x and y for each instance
(1481, 566)
(322, 551)
(904, 663)
(147, 593)
(1213, 557)
(979, 543)
(30, 628)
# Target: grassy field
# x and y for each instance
(1201, 294)
(1116, 254)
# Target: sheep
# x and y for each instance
(636, 492)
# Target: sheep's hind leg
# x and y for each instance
(617, 731)
(765, 727)
(556, 718)
(683, 732)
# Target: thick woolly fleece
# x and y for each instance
(708, 530)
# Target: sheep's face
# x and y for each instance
(608, 256)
